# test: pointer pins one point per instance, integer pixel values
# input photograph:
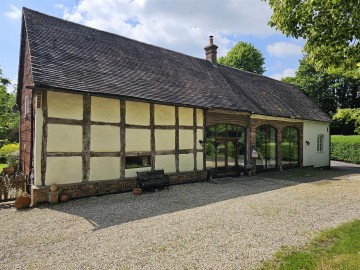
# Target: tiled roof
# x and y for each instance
(70, 56)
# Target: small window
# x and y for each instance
(26, 106)
(320, 143)
(138, 162)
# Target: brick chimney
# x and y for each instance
(210, 51)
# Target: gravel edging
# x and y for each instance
(231, 223)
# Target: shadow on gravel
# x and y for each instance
(116, 209)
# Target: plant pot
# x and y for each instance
(22, 202)
(137, 191)
(53, 188)
(64, 198)
(9, 170)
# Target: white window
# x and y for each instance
(26, 106)
(320, 143)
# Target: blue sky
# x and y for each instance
(179, 25)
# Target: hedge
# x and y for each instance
(345, 148)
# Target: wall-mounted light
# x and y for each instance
(307, 143)
(201, 143)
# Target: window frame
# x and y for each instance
(320, 143)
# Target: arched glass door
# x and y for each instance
(225, 149)
(290, 147)
(266, 148)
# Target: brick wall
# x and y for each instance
(25, 120)
(91, 188)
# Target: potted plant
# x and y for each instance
(137, 190)
(22, 200)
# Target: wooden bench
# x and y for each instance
(151, 180)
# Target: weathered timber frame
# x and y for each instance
(86, 133)
(177, 132)
(122, 137)
(44, 137)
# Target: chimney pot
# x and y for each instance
(211, 51)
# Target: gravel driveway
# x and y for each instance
(231, 223)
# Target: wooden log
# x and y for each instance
(86, 135)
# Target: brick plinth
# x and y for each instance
(85, 189)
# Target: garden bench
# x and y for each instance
(152, 180)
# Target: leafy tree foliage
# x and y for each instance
(349, 115)
(9, 121)
(331, 29)
(244, 56)
(327, 91)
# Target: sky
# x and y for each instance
(180, 25)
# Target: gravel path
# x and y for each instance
(231, 223)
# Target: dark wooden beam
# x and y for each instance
(152, 135)
(104, 154)
(99, 123)
(63, 121)
(136, 153)
(166, 126)
(64, 154)
(137, 126)
(177, 138)
(195, 138)
(86, 134)
(44, 106)
(204, 139)
(122, 137)
(187, 127)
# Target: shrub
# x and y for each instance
(12, 159)
(345, 148)
(6, 150)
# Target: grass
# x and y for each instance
(337, 248)
(2, 166)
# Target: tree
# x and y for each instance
(9, 121)
(331, 29)
(244, 56)
(327, 91)
(348, 116)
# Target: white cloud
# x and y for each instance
(182, 25)
(14, 14)
(283, 49)
(289, 72)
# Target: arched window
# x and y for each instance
(290, 147)
(266, 147)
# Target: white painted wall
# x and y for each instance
(310, 155)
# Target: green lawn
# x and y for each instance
(337, 248)
(2, 166)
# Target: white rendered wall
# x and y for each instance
(310, 155)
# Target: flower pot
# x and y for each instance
(64, 198)
(137, 191)
(53, 188)
(22, 202)
(9, 170)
